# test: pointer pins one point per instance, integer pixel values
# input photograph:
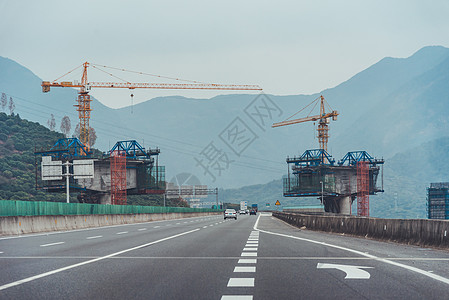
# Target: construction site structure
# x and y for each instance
(84, 109)
(438, 200)
(127, 169)
(337, 184)
(193, 194)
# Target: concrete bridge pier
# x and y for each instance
(338, 205)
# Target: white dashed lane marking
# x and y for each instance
(250, 249)
(245, 269)
(237, 297)
(249, 254)
(123, 232)
(52, 244)
(247, 261)
(241, 282)
(141, 229)
(94, 237)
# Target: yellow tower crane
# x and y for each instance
(323, 120)
(83, 106)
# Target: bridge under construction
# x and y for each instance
(337, 184)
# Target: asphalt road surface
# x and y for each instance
(255, 257)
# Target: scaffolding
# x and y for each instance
(118, 177)
(438, 200)
(362, 189)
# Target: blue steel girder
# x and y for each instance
(312, 157)
(352, 158)
(67, 148)
(133, 149)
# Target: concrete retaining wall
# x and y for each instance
(33, 224)
(420, 232)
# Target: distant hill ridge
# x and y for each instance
(393, 106)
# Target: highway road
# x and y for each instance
(254, 257)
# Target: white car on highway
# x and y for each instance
(230, 213)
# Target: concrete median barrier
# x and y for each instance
(421, 232)
(16, 225)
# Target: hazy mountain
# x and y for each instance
(392, 106)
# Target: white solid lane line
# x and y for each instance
(247, 261)
(52, 244)
(241, 282)
(245, 269)
(94, 237)
(3, 287)
(123, 232)
(237, 297)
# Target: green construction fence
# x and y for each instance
(42, 208)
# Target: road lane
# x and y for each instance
(243, 259)
(287, 250)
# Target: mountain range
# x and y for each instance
(394, 109)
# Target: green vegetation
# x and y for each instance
(18, 139)
(155, 200)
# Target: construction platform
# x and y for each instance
(139, 172)
(337, 184)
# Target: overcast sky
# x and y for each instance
(287, 47)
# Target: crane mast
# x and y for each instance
(84, 100)
(323, 120)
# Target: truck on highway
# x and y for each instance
(243, 207)
(254, 207)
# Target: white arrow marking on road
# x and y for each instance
(352, 272)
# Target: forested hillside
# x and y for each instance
(18, 139)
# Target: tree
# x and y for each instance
(92, 134)
(51, 122)
(11, 106)
(4, 101)
(66, 126)
(76, 132)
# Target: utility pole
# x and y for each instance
(216, 197)
(67, 175)
(322, 191)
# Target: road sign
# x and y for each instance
(352, 272)
(278, 203)
(51, 170)
(83, 168)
